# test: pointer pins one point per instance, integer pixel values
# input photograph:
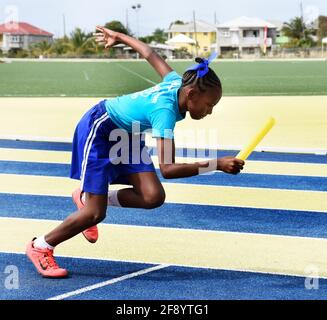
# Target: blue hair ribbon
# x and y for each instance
(203, 68)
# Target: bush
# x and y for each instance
(17, 53)
(182, 53)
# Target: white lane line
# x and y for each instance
(107, 283)
(136, 74)
(189, 148)
(87, 78)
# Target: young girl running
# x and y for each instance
(105, 152)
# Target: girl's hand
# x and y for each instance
(106, 37)
(230, 165)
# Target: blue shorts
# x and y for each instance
(92, 160)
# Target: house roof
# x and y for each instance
(181, 38)
(201, 26)
(23, 28)
(246, 22)
(277, 23)
(161, 46)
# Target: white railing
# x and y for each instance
(243, 42)
(15, 45)
(254, 42)
(251, 42)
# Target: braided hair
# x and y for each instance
(209, 80)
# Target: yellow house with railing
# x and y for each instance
(200, 32)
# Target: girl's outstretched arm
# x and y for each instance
(172, 170)
(109, 38)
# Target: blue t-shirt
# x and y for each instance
(155, 108)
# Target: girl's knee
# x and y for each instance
(95, 215)
(154, 199)
(95, 208)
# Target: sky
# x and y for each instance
(86, 14)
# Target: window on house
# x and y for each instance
(250, 33)
(205, 33)
(191, 35)
(15, 38)
(250, 50)
(226, 34)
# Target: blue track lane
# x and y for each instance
(264, 221)
(260, 156)
(215, 179)
(82, 273)
(172, 283)
(35, 145)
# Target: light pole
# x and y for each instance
(137, 8)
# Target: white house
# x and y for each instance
(20, 35)
(245, 35)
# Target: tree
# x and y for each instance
(61, 46)
(160, 36)
(83, 43)
(117, 26)
(90, 47)
(299, 33)
(146, 39)
(182, 53)
(40, 48)
(294, 29)
(77, 39)
(17, 53)
(178, 22)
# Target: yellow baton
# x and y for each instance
(245, 153)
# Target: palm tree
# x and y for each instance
(61, 46)
(40, 48)
(299, 32)
(160, 36)
(77, 40)
(90, 47)
(294, 29)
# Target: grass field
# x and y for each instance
(102, 79)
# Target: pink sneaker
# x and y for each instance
(44, 262)
(90, 234)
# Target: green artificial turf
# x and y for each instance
(102, 79)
